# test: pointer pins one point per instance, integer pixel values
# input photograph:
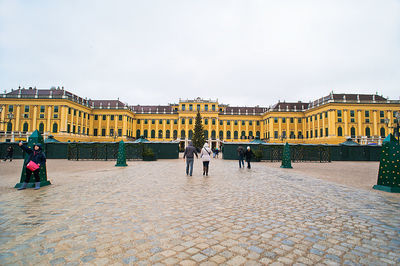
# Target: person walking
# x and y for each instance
(10, 152)
(248, 155)
(240, 152)
(216, 152)
(36, 156)
(205, 155)
(190, 151)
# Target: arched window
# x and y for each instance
(190, 134)
(206, 134)
(145, 134)
(183, 134)
(213, 134)
(160, 134)
(367, 132)
(55, 128)
(235, 135)
(153, 134)
(175, 134)
(228, 134)
(221, 135)
(250, 133)
(190, 121)
(258, 134)
(138, 133)
(25, 127)
(167, 134)
(41, 128)
(353, 132)
(9, 127)
(383, 133)
(243, 135)
(339, 132)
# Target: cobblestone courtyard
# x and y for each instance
(152, 213)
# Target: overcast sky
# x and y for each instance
(241, 52)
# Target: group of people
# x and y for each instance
(205, 155)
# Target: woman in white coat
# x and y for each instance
(205, 155)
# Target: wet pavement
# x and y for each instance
(151, 213)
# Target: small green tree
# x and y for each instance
(198, 134)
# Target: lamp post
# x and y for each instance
(396, 125)
(10, 116)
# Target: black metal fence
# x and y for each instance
(307, 153)
(97, 150)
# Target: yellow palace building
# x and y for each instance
(366, 118)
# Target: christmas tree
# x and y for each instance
(389, 166)
(121, 157)
(286, 161)
(198, 135)
(35, 138)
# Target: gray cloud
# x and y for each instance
(241, 52)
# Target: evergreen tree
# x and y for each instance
(198, 134)
(286, 161)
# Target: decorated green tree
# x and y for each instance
(35, 138)
(121, 157)
(198, 135)
(286, 161)
(389, 166)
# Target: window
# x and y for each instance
(112, 117)
(221, 135)
(183, 107)
(311, 134)
(80, 113)
(56, 109)
(138, 121)
(206, 121)
(243, 122)
(292, 120)
(228, 134)
(366, 113)
(258, 134)
(153, 121)
(351, 113)
(213, 134)
(168, 121)
(326, 114)
(339, 132)
(292, 136)
(198, 107)
(383, 135)
(190, 121)
(382, 113)
(84, 115)
(183, 134)
(306, 134)
(299, 120)
(96, 117)
(26, 108)
(228, 122)
(145, 121)
(10, 108)
(111, 132)
(74, 112)
(339, 120)
(183, 121)
(119, 132)
(190, 134)
(250, 123)
(69, 110)
(258, 123)
(236, 122)
(221, 122)
(137, 133)
(25, 127)
(275, 134)
(206, 134)
(41, 116)
(352, 120)
(9, 127)
(153, 134)
(55, 116)
(175, 121)
(321, 132)
(42, 108)
(103, 132)
(310, 118)
(339, 113)
(190, 107)
(213, 121)
(307, 119)
(367, 132)
(283, 120)
(320, 116)
(69, 128)
(382, 121)
(235, 135)
(353, 132)
(326, 132)
(145, 133)
(160, 134)
(104, 117)
(95, 132)
(175, 134)
(167, 134)
(367, 120)
(206, 107)
(250, 133)
(213, 107)
(299, 135)
(26, 115)
(120, 117)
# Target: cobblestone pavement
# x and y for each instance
(152, 213)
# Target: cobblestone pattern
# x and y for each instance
(150, 213)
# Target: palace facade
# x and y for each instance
(366, 118)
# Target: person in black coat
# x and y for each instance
(10, 152)
(37, 156)
(248, 155)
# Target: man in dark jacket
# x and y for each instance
(240, 152)
(190, 151)
(10, 152)
(37, 156)
(248, 155)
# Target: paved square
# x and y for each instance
(152, 213)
